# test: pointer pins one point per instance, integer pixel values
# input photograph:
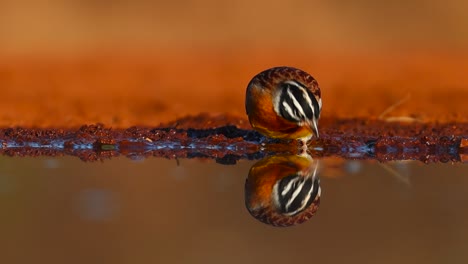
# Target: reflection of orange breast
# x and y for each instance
(263, 117)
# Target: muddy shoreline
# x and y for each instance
(228, 139)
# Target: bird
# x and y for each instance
(283, 190)
(284, 103)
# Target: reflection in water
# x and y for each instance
(7, 183)
(97, 205)
(52, 163)
(192, 213)
(283, 190)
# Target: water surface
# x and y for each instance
(63, 210)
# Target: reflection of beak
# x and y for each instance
(313, 126)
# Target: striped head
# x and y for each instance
(283, 190)
(284, 102)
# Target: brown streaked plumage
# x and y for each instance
(283, 190)
(284, 102)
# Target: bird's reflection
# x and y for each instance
(283, 190)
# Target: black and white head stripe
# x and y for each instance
(294, 193)
(296, 103)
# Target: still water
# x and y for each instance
(63, 210)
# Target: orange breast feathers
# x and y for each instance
(260, 109)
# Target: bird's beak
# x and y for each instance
(314, 127)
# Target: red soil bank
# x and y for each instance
(158, 87)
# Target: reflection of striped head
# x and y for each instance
(283, 190)
(294, 193)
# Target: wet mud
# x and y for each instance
(227, 139)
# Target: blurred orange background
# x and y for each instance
(123, 63)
